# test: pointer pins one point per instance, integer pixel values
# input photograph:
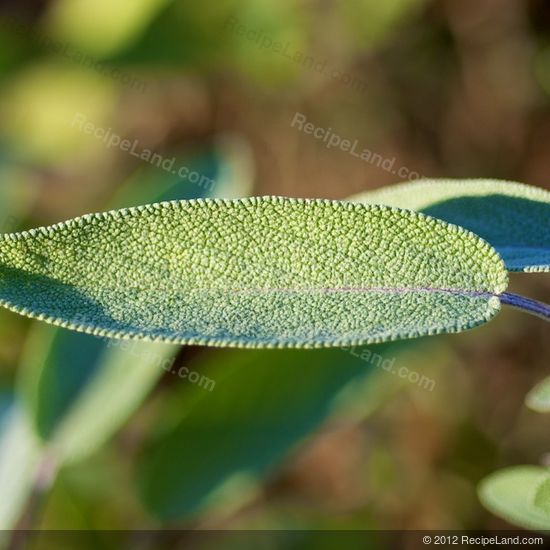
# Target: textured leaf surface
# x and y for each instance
(512, 495)
(254, 272)
(512, 217)
(538, 399)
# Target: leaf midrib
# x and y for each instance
(327, 290)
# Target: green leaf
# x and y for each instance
(512, 495)
(264, 403)
(538, 399)
(126, 377)
(70, 377)
(513, 217)
(54, 370)
(260, 272)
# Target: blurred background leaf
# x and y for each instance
(19, 458)
(102, 28)
(38, 110)
(538, 398)
(520, 495)
(264, 402)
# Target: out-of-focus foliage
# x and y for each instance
(519, 494)
(538, 398)
(67, 378)
(75, 376)
(438, 89)
(19, 458)
(39, 107)
(102, 28)
(264, 402)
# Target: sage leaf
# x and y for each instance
(258, 272)
(513, 494)
(513, 217)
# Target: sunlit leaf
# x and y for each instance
(258, 272)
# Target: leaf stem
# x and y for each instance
(533, 307)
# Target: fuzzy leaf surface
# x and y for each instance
(258, 272)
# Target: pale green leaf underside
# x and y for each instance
(514, 494)
(264, 403)
(260, 272)
(512, 217)
(538, 399)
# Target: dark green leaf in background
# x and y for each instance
(264, 403)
